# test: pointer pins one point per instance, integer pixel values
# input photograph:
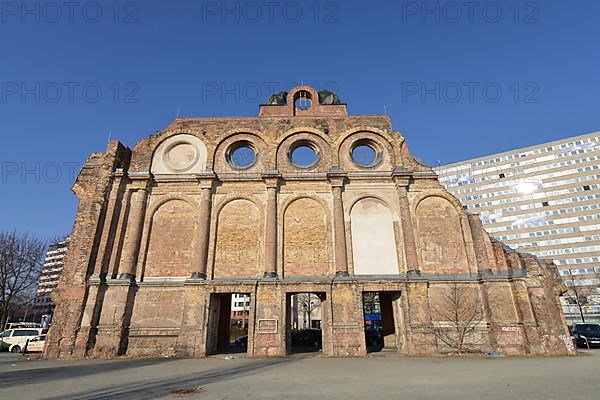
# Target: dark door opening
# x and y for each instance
(305, 312)
(228, 323)
(381, 328)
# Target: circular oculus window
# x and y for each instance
(364, 153)
(242, 155)
(304, 155)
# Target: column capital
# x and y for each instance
(140, 177)
(401, 186)
(206, 185)
(337, 178)
(272, 178)
(401, 177)
(272, 183)
(139, 181)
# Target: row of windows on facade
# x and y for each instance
(303, 154)
(583, 260)
(540, 204)
(534, 190)
(519, 171)
(559, 242)
(580, 271)
(569, 147)
(527, 186)
(555, 202)
(539, 180)
(552, 232)
(535, 221)
(571, 250)
(494, 217)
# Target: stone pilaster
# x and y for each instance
(339, 228)
(135, 222)
(192, 338)
(408, 233)
(271, 229)
(111, 219)
(346, 319)
(113, 328)
(422, 336)
(270, 320)
(201, 248)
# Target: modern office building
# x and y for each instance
(51, 271)
(545, 200)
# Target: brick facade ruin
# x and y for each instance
(162, 230)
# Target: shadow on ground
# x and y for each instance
(52, 374)
(151, 389)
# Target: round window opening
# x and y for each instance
(364, 154)
(304, 155)
(242, 155)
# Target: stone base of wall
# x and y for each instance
(180, 319)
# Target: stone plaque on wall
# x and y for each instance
(267, 326)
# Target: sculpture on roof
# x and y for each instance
(278, 99)
(329, 98)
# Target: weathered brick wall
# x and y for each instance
(158, 242)
(306, 237)
(172, 240)
(441, 238)
(92, 190)
(238, 240)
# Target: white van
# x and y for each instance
(14, 340)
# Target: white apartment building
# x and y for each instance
(51, 271)
(542, 199)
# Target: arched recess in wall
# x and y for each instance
(306, 244)
(172, 234)
(373, 239)
(238, 239)
(441, 242)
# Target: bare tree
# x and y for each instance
(458, 314)
(308, 303)
(581, 293)
(21, 259)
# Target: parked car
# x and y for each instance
(586, 335)
(307, 338)
(242, 341)
(14, 340)
(35, 345)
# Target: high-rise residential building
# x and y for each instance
(240, 309)
(51, 271)
(545, 200)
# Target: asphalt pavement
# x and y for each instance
(302, 377)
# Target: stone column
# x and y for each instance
(201, 256)
(339, 227)
(271, 229)
(135, 223)
(410, 247)
(109, 228)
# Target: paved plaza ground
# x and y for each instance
(304, 377)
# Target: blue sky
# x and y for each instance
(459, 81)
